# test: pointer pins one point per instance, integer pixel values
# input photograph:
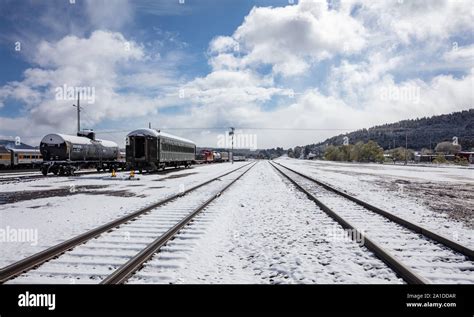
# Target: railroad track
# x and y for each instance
(111, 253)
(17, 171)
(31, 175)
(418, 255)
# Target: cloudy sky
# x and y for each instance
(289, 72)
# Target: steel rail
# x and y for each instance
(39, 258)
(403, 222)
(39, 175)
(7, 177)
(405, 272)
(124, 272)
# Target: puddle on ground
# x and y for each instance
(14, 197)
(174, 176)
(452, 199)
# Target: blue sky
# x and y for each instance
(329, 66)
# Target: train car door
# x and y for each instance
(152, 154)
(14, 159)
(159, 150)
(129, 149)
(139, 146)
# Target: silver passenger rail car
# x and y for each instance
(150, 150)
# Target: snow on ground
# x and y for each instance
(41, 212)
(441, 199)
(262, 230)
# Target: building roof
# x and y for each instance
(25, 150)
(3, 149)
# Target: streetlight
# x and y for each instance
(78, 113)
(406, 147)
(232, 152)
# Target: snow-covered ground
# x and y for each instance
(46, 211)
(262, 230)
(441, 199)
(94, 260)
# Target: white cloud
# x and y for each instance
(221, 44)
(290, 38)
(94, 62)
(460, 55)
(226, 89)
(101, 48)
(420, 20)
(293, 37)
(330, 115)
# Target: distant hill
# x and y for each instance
(9, 144)
(421, 133)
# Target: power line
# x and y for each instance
(236, 128)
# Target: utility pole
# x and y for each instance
(78, 113)
(232, 152)
(406, 147)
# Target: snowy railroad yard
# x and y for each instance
(441, 198)
(61, 207)
(262, 229)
